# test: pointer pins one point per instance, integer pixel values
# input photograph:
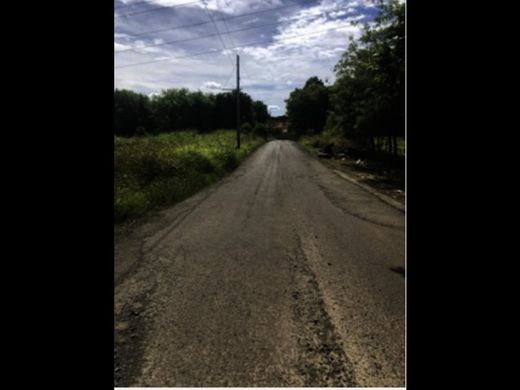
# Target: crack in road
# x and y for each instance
(322, 360)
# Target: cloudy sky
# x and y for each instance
(160, 44)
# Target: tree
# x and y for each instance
(307, 107)
(181, 109)
(368, 95)
(226, 109)
(131, 111)
(261, 113)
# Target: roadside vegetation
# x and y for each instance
(364, 108)
(356, 124)
(180, 109)
(158, 162)
(154, 171)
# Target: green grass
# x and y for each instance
(155, 171)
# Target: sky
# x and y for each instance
(161, 44)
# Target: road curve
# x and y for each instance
(282, 274)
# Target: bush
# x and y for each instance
(246, 128)
(153, 171)
(129, 204)
(140, 131)
(194, 161)
(229, 160)
(262, 130)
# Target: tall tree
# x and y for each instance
(131, 111)
(181, 109)
(368, 95)
(261, 113)
(307, 107)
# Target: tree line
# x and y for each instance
(181, 109)
(366, 102)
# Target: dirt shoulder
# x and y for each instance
(381, 178)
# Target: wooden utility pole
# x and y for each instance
(238, 102)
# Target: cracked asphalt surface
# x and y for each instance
(282, 274)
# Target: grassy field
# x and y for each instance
(155, 171)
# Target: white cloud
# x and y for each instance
(226, 6)
(308, 41)
(122, 36)
(211, 85)
(120, 46)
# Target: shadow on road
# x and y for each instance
(399, 270)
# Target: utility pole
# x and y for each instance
(238, 102)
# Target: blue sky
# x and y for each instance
(281, 44)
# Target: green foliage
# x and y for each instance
(152, 171)
(262, 130)
(176, 109)
(226, 109)
(140, 131)
(229, 160)
(368, 95)
(131, 111)
(261, 113)
(180, 109)
(246, 128)
(366, 102)
(307, 107)
(328, 137)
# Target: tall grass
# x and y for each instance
(155, 171)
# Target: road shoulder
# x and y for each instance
(379, 185)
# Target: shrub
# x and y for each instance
(246, 128)
(129, 204)
(140, 131)
(261, 130)
(153, 171)
(229, 160)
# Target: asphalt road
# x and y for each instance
(282, 274)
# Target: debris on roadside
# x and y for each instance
(361, 163)
(327, 151)
(324, 155)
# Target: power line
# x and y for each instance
(229, 78)
(155, 9)
(227, 28)
(218, 32)
(216, 50)
(223, 19)
(212, 20)
(230, 37)
(245, 71)
(196, 38)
